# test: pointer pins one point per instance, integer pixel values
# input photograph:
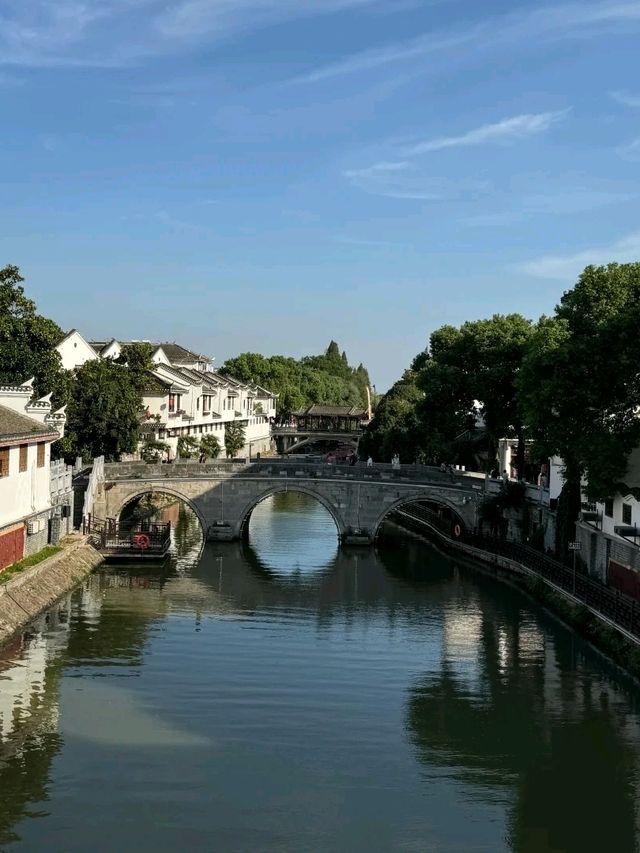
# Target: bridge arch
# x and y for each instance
(140, 492)
(280, 488)
(438, 500)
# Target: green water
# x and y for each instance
(283, 695)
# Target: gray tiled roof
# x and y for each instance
(14, 425)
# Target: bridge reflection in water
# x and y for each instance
(312, 698)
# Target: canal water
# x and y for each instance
(282, 695)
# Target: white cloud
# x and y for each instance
(108, 33)
(404, 180)
(630, 151)
(221, 18)
(568, 267)
(401, 52)
(377, 168)
(627, 99)
(507, 130)
(567, 20)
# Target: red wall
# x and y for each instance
(625, 579)
(11, 546)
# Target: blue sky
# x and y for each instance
(268, 174)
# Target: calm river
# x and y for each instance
(282, 695)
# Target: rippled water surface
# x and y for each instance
(282, 695)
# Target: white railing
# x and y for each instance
(61, 478)
(95, 478)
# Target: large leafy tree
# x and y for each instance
(474, 368)
(28, 340)
(104, 411)
(580, 384)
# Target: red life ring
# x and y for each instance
(141, 540)
(457, 530)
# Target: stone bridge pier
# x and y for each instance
(223, 495)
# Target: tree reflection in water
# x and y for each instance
(520, 735)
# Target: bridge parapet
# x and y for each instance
(268, 468)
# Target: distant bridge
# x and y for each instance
(223, 495)
(292, 438)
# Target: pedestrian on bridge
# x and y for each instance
(369, 462)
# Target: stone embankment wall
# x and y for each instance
(27, 594)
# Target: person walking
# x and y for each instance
(369, 462)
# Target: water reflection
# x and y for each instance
(542, 727)
(277, 697)
(309, 530)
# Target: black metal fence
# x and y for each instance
(143, 538)
(621, 609)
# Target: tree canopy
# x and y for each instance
(327, 379)
(396, 427)
(28, 341)
(580, 383)
(234, 439)
(104, 411)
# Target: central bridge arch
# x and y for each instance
(282, 488)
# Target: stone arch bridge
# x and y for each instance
(224, 494)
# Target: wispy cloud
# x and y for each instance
(565, 200)
(567, 20)
(405, 180)
(423, 46)
(568, 267)
(507, 130)
(110, 33)
(627, 99)
(630, 150)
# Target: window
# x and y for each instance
(608, 507)
(626, 513)
(172, 402)
(24, 453)
(41, 447)
(4, 461)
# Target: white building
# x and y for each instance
(185, 396)
(75, 351)
(182, 402)
(28, 428)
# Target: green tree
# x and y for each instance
(152, 450)
(137, 357)
(476, 364)
(580, 401)
(325, 379)
(395, 427)
(234, 439)
(187, 447)
(28, 341)
(104, 411)
(210, 446)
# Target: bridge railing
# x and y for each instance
(290, 466)
(313, 467)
